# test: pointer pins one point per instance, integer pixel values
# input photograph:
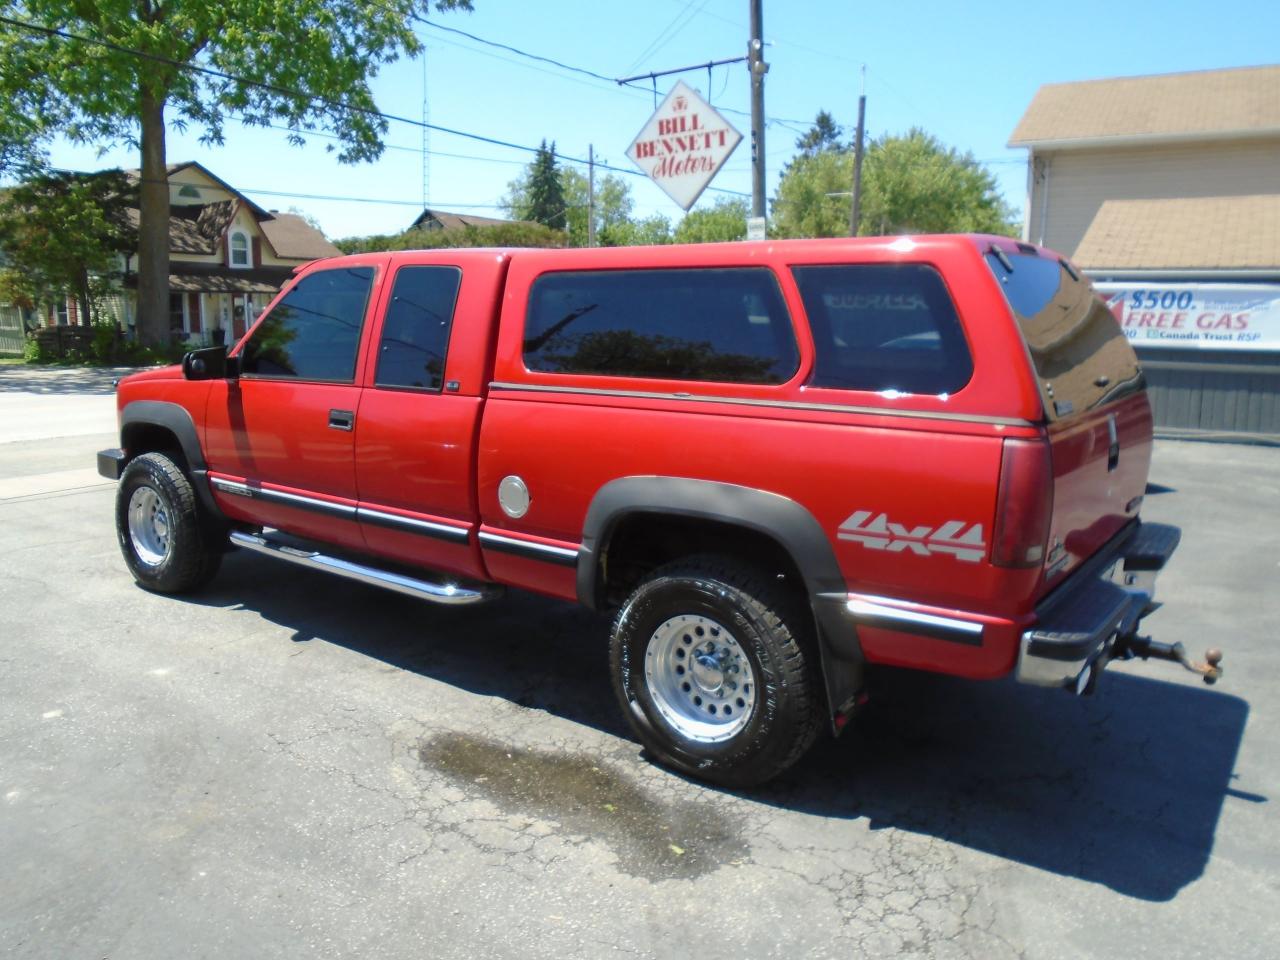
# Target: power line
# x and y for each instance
(517, 51)
(668, 33)
(613, 82)
(313, 98)
(262, 191)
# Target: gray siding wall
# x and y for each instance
(1196, 391)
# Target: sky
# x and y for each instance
(963, 71)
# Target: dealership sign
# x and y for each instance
(1205, 316)
(683, 145)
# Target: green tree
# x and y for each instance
(613, 203)
(910, 184)
(726, 220)
(538, 194)
(823, 135)
(808, 203)
(135, 66)
(496, 235)
(649, 231)
(63, 233)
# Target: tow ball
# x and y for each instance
(1133, 645)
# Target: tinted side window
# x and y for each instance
(415, 334)
(728, 325)
(890, 327)
(314, 332)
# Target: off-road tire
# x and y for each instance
(187, 555)
(772, 630)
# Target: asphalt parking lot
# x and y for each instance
(289, 765)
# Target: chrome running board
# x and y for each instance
(448, 593)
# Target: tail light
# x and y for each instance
(1024, 505)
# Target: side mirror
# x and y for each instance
(210, 363)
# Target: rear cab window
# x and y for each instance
(885, 328)
(728, 325)
(1081, 356)
(415, 333)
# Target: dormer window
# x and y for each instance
(239, 249)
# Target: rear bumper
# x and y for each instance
(1077, 625)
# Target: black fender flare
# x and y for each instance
(780, 518)
(177, 420)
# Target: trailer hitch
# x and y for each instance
(1132, 645)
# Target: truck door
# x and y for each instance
(419, 416)
(280, 439)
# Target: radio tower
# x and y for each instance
(426, 132)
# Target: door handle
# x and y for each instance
(342, 419)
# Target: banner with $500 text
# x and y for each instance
(1203, 316)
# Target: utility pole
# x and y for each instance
(591, 195)
(855, 209)
(758, 68)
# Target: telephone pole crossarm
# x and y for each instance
(653, 75)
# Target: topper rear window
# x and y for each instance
(1080, 354)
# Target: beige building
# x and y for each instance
(1176, 136)
(1166, 189)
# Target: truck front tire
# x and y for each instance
(158, 525)
(709, 665)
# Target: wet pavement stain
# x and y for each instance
(652, 838)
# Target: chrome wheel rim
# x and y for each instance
(148, 526)
(699, 679)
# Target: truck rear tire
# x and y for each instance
(709, 663)
(158, 524)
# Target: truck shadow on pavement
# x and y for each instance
(1122, 789)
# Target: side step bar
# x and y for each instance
(447, 593)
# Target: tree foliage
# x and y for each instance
(613, 203)
(823, 135)
(653, 230)
(910, 184)
(539, 195)
(63, 233)
(726, 220)
(498, 235)
(134, 66)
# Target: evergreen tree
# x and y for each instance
(546, 201)
(823, 135)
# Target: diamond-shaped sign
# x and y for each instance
(684, 145)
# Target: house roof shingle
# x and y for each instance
(1198, 233)
(292, 238)
(1239, 102)
(454, 221)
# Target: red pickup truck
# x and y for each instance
(778, 462)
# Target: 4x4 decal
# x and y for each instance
(882, 534)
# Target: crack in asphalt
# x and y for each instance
(530, 810)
